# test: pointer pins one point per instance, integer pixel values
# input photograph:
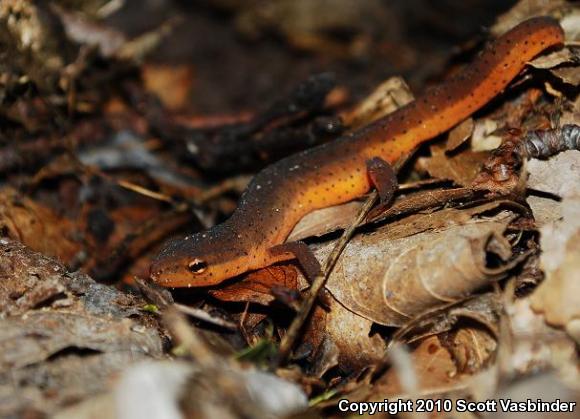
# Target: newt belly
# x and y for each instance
(336, 172)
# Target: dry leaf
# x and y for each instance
(385, 99)
(462, 168)
(38, 227)
(525, 9)
(172, 84)
(256, 286)
(484, 309)
(459, 134)
(484, 138)
(350, 333)
(528, 344)
(396, 273)
(325, 220)
(433, 367)
(545, 209)
(558, 297)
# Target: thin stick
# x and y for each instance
(205, 316)
(295, 327)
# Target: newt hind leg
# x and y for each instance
(384, 179)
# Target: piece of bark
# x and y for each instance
(63, 337)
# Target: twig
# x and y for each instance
(205, 316)
(293, 331)
(188, 338)
(143, 191)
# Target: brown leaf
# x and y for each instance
(325, 220)
(396, 272)
(37, 226)
(471, 348)
(339, 217)
(256, 286)
(386, 98)
(462, 168)
(484, 309)
(172, 84)
(351, 335)
(433, 367)
(459, 134)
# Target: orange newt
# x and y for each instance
(343, 170)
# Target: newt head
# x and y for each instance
(200, 260)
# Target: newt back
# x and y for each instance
(334, 173)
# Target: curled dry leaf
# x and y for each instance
(327, 220)
(483, 309)
(396, 273)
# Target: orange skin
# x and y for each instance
(334, 173)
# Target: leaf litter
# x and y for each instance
(452, 292)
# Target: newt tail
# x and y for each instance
(337, 172)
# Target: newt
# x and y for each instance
(344, 169)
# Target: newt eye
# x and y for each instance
(197, 266)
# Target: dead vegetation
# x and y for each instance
(465, 287)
